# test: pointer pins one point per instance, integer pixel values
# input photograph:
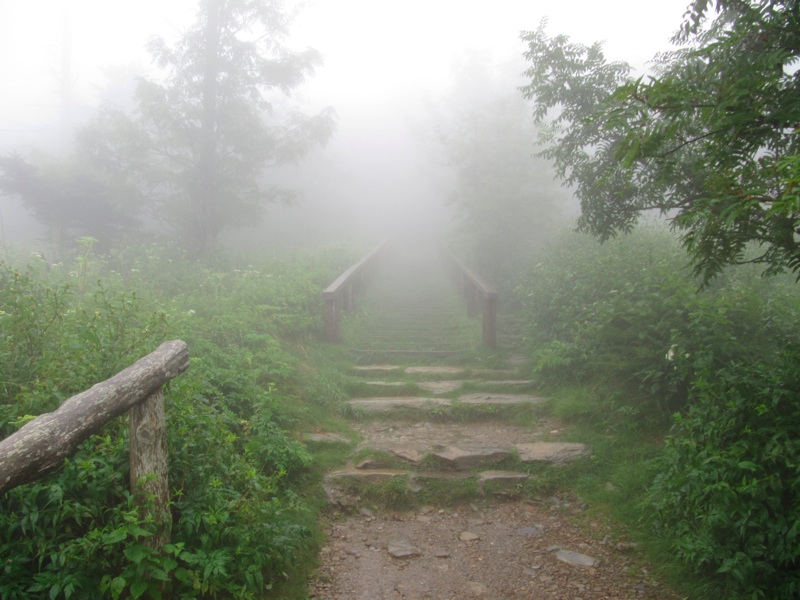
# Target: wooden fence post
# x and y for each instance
(489, 325)
(331, 315)
(150, 465)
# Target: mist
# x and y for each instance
(396, 77)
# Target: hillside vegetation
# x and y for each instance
(239, 525)
(693, 393)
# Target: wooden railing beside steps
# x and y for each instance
(42, 444)
(341, 294)
(481, 299)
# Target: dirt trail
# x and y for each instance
(496, 546)
(495, 550)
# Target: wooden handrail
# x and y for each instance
(340, 295)
(478, 293)
(42, 444)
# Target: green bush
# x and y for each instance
(626, 318)
(728, 491)
(629, 314)
(237, 525)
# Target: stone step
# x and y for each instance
(487, 399)
(382, 404)
(445, 386)
(339, 484)
(465, 457)
(500, 376)
(555, 453)
(395, 351)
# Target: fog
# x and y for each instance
(393, 72)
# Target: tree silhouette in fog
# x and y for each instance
(199, 141)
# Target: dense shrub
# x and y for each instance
(728, 492)
(627, 316)
(237, 524)
(629, 313)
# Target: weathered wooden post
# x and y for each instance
(149, 463)
(489, 325)
(478, 293)
(331, 316)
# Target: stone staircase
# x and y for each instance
(447, 432)
(427, 411)
(410, 307)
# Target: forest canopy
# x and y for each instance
(710, 139)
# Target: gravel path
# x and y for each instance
(500, 551)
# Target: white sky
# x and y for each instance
(383, 58)
(377, 52)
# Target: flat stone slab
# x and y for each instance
(551, 452)
(440, 387)
(452, 458)
(441, 475)
(412, 455)
(502, 479)
(367, 476)
(434, 370)
(376, 368)
(492, 475)
(426, 436)
(385, 383)
(508, 382)
(500, 399)
(333, 438)
(460, 460)
(494, 372)
(386, 404)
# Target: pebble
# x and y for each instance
(576, 559)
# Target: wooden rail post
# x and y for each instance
(489, 325)
(478, 293)
(331, 308)
(149, 463)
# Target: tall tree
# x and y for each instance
(710, 139)
(201, 139)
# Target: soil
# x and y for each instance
(501, 550)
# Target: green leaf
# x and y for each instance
(138, 588)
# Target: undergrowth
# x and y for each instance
(243, 520)
(688, 396)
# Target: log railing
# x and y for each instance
(480, 297)
(42, 444)
(340, 295)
